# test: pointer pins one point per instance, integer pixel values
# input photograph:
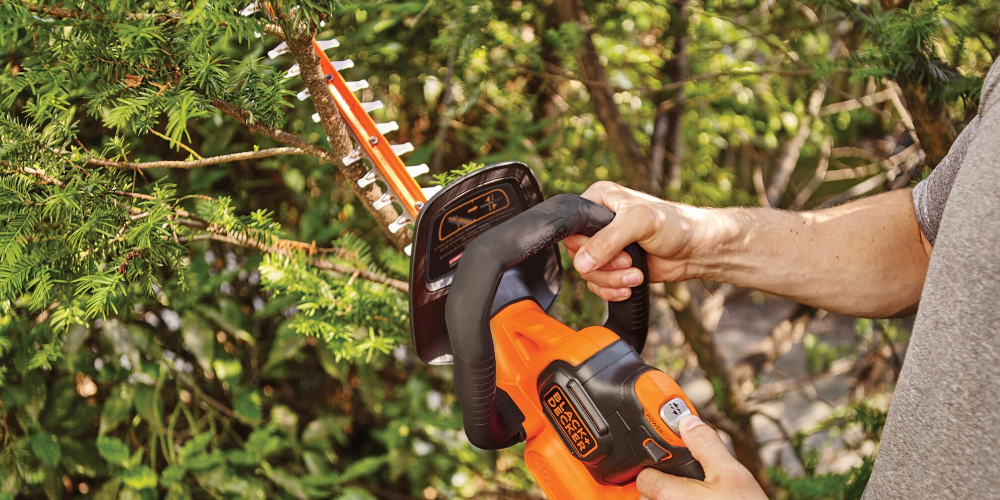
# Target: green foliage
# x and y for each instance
(918, 41)
(857, 425)
(162, 335)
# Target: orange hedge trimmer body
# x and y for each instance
(484, 272)
(592, 413)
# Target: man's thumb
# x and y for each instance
(706, 446)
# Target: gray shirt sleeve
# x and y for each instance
(931, 194)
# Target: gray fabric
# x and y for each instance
(942, 439)
(930, 194)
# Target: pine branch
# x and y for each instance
(287, 247)
(204, 162)
(246, 118)
(46, 179)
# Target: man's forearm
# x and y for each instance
(866, 258)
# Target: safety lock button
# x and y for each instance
(655, 451)
(672, 412)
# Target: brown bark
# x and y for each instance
(934, 127)
(300, 43)
(622, 142)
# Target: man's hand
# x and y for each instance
(665, 230)
(865, 258)
(725, 478)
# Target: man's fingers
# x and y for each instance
(622, 261)
(614, 278)
(656, 485)
(574, 242)
(604, 246)
(610, 294)
(707, 448)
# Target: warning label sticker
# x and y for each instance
(569, 422)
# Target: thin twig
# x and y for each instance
(186, 164)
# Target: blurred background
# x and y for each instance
(237, 327)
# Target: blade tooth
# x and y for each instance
(328, 44)
(353, 156)
(387, 127)
(342, 65)
(250, 9)
(371, 106)
(416, 170)
(315, 117)
(369, 178)
(429, 192)
(384, 201)
(256, 35)
(408, 250)
(293, 71)
(304, 94)
(357, 85)
(281, 49)
(403, 148)
(400, 223)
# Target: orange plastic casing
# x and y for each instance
(526, 341)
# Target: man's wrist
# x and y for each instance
(717, 236)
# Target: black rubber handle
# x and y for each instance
(492, 420)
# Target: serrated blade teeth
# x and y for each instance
(387, 127)
(384, 201)
(328, 44)
(342, 65)
(418, 170)
(408, 250)
(250, 10)
(400, 223)
(353, 156)
(429, 192)
(315, 117)
(357, 85)
(403, 148)
(303, 95)
(282, 48)
(369, 178)
(371, 106)
(293, 71)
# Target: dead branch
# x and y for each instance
(761, 357)
(790, 156)
(817, 179)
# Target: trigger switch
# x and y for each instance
(655, 451)
(672, 412)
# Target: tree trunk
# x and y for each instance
(667, 141)
(622, 142)
(934, 127)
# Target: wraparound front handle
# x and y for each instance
(491, 418)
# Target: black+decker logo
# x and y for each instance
(568, 422)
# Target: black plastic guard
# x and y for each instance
(432, 268)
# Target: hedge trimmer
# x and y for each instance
(592, 412)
